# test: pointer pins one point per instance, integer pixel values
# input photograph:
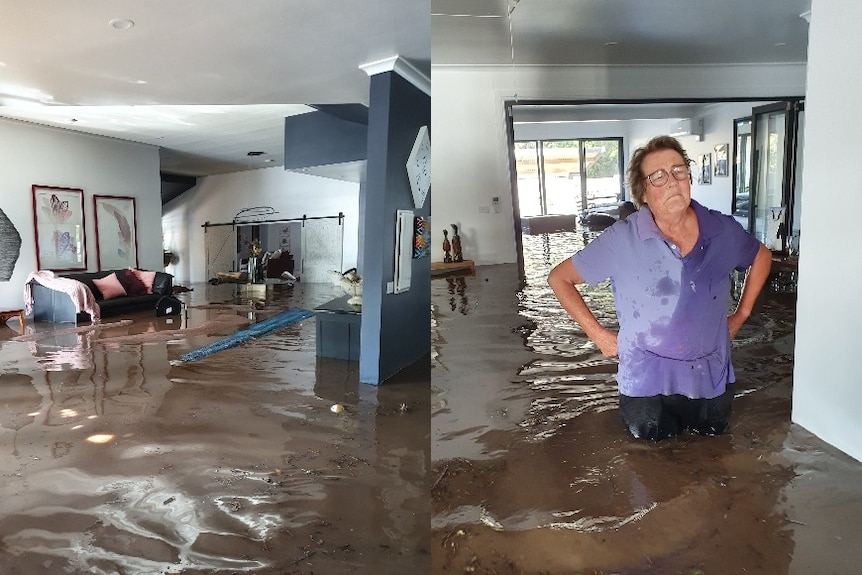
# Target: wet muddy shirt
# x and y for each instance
(672, 310)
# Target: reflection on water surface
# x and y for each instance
(119, 459)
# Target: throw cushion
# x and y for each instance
(86, 278)
(110, 286)
(131, 283)
(147, 278)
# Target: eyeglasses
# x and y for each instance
(659, 177)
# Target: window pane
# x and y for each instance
(562, 167)
(527, 169)
(602, 161)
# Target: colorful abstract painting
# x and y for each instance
(421, 237)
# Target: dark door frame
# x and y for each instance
(509, 106)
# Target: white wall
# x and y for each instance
(45, 156)
(469, 153)
(827, 386)
(218, 199)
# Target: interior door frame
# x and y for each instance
(508, 119)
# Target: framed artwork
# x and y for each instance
(705, 164)
(116, 232)
(720, 160)
(58, 221)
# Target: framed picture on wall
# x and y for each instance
(116, 232)
(720, 160)
(704, 175)
(421, 237)
(58, 221)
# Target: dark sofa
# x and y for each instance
(54, 306)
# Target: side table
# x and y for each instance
(337, 329)
(6, 315)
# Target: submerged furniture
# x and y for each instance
(535, 225)
(338, 326)
(275, 267)
(784, 273)
(57, 306)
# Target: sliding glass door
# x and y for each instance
(774, 159)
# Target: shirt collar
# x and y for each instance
(707, 222)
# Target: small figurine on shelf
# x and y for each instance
(456, 245)
(447, 256)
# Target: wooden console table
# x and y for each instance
(444, 269)
(6, 315)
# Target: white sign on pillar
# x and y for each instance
(403, 250)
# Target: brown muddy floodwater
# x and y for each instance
(119, 459)
(533, 472)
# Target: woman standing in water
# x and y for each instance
(669, 264)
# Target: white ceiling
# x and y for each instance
(210, 80)
(205, 80)
(618, 32)
(515, 33)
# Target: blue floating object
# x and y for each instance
(279, 321)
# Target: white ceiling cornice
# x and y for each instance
(403, 68)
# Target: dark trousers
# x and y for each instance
(661, 416)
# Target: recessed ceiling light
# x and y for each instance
(121, 23)
(611, 43)
(780, 44)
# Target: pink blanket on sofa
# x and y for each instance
(81, 295)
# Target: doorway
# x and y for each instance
(278, 243)
(313, 247)
(533, 125)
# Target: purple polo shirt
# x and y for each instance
(672, 310)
